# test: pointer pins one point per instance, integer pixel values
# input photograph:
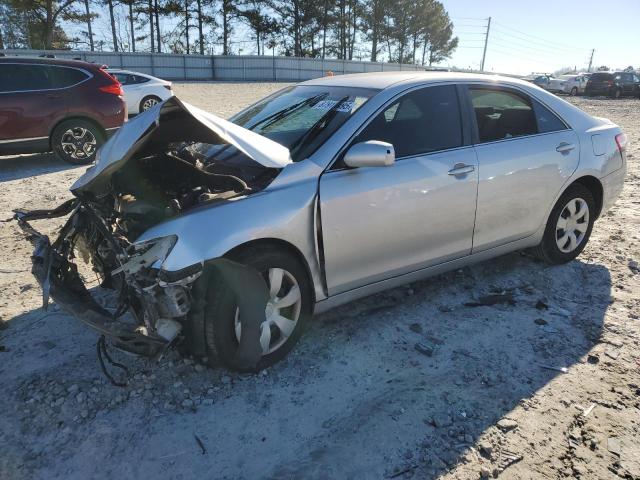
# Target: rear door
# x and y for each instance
(29, 104)
(380, 222)
(525, 155)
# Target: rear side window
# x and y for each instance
(123, 78)
(502, 114)
(63, 77)
(23, 77)
(139, 79)
(421, 121)
(546, 119)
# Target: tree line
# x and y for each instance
(405, 31)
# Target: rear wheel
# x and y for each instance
(287, 312)
(148, 102)
(76, 141)
(568, 227)
(617, 93)
(574, 91)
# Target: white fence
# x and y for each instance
(219, 67)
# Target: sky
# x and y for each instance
(546, 35)
(525, 36)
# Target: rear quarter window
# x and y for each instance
(64, 77)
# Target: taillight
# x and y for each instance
(610, 83)
(114, 88)
(168, 87)
(621, 141)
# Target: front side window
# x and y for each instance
(502, 114)
(422, 121)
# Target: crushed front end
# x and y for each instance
(166, 161)
(93, 272)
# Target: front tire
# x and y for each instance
(574, 92)
(76, 141)
(568, 227)
(287, 313)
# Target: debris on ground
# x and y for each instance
(504, 298)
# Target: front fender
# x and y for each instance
(204, 233)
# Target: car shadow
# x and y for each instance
(355, 399)
(443, 368)
(16, 167)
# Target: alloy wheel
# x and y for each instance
(78, 143)
(282, 311)
(572, 225)
(148, 103)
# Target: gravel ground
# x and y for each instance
(355, 399)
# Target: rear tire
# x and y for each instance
(148, 102)
(76, 141)
(574, 92)
(220, 314)
(569, 226)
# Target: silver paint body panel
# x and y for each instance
(379, 227)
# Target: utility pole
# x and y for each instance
(486, 41)
(591, 59)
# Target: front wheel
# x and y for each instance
(287, 312)
(568, 227)
(76, 141)
(574, 92)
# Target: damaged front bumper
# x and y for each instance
(158, 301)
(60, 280)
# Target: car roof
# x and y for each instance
(382, 80)
(120, 70)
(50, 61)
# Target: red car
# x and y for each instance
(66, 106)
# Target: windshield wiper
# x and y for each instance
(317, 127)
(274, 117)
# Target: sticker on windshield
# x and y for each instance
(345, 107)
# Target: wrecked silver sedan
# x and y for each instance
(225, 236)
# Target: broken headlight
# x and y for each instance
(147, 254)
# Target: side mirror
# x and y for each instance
(370, 154)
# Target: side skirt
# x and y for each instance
(365, 291)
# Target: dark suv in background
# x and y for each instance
(616, 85)
(65, 106)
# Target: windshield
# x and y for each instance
(303, 117)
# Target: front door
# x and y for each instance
(380, 222)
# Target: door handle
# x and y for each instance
(461, 169)
(565, 147)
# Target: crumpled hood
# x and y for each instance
(135, 134)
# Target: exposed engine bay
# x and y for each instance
(175, 162)
(175, 177)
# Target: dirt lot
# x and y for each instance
(355, 399)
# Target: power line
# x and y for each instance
(537, 50)
(541, 39)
